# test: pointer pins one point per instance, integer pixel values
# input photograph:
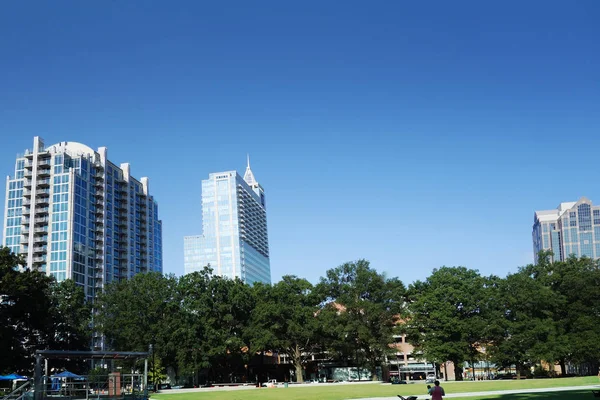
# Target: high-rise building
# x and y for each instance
(75, 215)
(573, 228)
(234, 242)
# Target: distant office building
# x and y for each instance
(75, 215)
(571, 229)
(234, 223)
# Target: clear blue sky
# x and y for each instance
(412, 134)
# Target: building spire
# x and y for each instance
(249, 176)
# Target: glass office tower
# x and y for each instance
(234, 242)
(75, 215)
(571, 229)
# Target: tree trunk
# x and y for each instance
(458, 371)
(374, 373)
(563, 368)
(299, 371)
(298, 364)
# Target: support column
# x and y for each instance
(37, 377)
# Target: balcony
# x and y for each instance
(26, 202)
(100, 221)
(28, 164)
(44, 163)
(27, 183)
(27, 173)
(99, 194)
(25, 231)
(43, 182)
(27, 193)
(43, 229)
(43, 200)
(40, 249)
(41, 210)
(40, 239)
(99, 239)
(41, 220)
(42, 192)
(44, 171)
(26, 211)
(39, 259)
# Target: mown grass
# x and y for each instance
(567, 395)
(342, 392)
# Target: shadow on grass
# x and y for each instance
(567, 395)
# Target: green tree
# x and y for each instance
(525, 308)
(140, 312)
(215, 317)
(574, 313)
(361, 309)
(25, 312)
(284, 320)
(71, 315)
(449, 315)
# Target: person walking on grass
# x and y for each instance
(437, 391)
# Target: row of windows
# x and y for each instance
(15, 203)
(59, 198)
(58, 207)
(15, 194)
(13, 231)
(15, 240)
(12, 185)
(61, 179)
(12, 212)
(14, 221)
(56, 246)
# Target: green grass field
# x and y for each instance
(340, 392)
(570, 395)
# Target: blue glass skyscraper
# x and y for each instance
(234, 242)
(571, 229)
(75, 215)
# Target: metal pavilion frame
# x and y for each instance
(45, 355)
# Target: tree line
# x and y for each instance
(205, 327)
(37, 313)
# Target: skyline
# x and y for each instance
(411, 136)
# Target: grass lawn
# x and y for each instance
(570, 395)
(340, 392)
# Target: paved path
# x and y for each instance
(497, 392)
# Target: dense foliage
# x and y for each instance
(203, 327)
(37, 313)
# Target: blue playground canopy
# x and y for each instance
(13, 377)
(67, 374)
